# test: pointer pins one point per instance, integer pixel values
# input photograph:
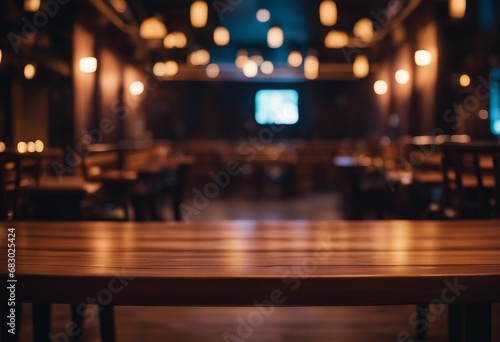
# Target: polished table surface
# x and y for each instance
(239, 262)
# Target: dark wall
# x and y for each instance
(433, 101)
(39, 108)
(225, 110)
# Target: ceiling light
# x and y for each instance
(31, 147)
(180, 40)
(267, 68)
(275, 37)
(200, 57)
(380, 87)
(31, 5)
(363, 29)
(250, 69)
(464, 80)
(29, 71)
(159, 69)
(457, 8)
(361, 66)
(328, 13)
(88, 65)
(169, 42)
(221, 36)
(212, 70)
(152, 28)
(295, 59)
(199, 13)
(203, 57)
(171, 68)
(311, 67)
(336, 40)
(402, 76)
(263, 15)
(258, 59)
(175, 40)
(241, 59)
(0, 55)
(423, 58)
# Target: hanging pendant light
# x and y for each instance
(328, 13)
(311, 67)
(199, 14)
(267, 67)
(275, 37)
(31, 5)
(250, 69)
(212, 70)
(171, 68)
(241, 59)
(29, 71)
(295, 59)
(336, 40)
(221, 36)
(457, 8)
(361, 67)
(152, 28)
(363, 29)
(263, 15)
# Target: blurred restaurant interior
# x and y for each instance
(126, 116)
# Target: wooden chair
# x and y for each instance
(471, 180)
(10, 179)
(102, 163)
(18, 171)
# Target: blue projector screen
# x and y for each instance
(495, 102)
(280, 107)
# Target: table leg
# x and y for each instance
(178, 190)
(478, 322)
(455, 322)
(107, 322)
(288, 181)
(41, 322)
(422, 321)
(469, 322)
(77, 319)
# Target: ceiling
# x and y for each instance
(299, 20)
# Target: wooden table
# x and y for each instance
(269, 157)
(173, 162)
(354, 171)
(139, 184)
(171, 173)
(298, 263)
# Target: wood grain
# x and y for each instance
(237, 263)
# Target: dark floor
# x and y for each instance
(320, 206)
(390, 323)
